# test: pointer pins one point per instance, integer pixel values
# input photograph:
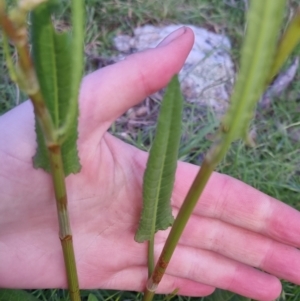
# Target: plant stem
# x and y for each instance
(65, 234)
(148, 295)
(257, 55)
(151, 256)
(70, 264)
(27, 78)
(179, 224)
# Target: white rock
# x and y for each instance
(208, 73)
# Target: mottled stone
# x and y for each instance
(208, 73)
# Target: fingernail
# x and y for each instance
(173, 36)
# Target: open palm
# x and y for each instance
(234, 229)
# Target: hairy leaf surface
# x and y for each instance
(52, 56)
(161, 166)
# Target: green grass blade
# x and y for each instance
(9, 62)
(16, 295)
(287, 44)
(222, 295)
(161, 166)
(52, 59)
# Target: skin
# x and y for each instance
(233, 230)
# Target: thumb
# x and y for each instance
(109, 92)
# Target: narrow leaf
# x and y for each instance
(161, 166)
(264, 22)
(78, 21)
(16, 295)
(52, 60)
(287, 44)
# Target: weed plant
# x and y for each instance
(274, 163)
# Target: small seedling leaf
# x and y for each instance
(161, 166)
(92, 297)
(52, 59)
(16, 295)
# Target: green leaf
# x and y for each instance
(221, 295)
(287, 44)
(161, 166)
(16, 295)
(264, 22)
(52, 55)
(92, 297)
(78, 29)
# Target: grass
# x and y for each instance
(272, 166)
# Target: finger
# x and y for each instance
(109, 92)
(242, 245)
(218, 271)
(239, 204)
(135, 278)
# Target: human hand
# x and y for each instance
(233, 228)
